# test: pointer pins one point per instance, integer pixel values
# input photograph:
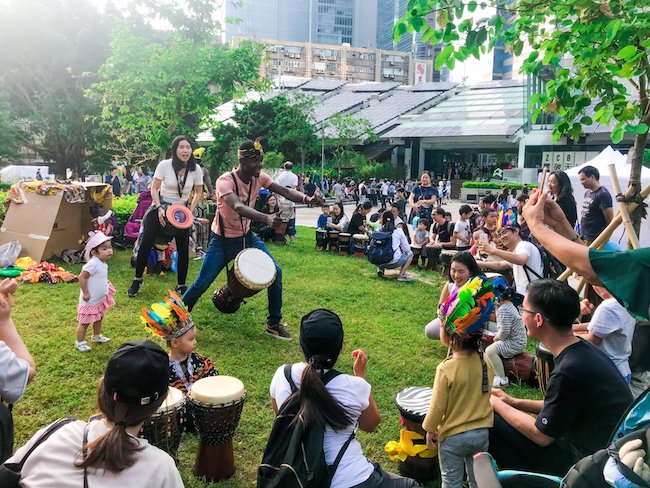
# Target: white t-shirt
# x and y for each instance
(384, 189)
(464, 233)
(287, 178)
(97, 281)
(534, 262)
(52, 464)
(399, 243)
(615, 326)
(14, 372)
(169, 188)
(353, 394)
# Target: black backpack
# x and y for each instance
(6, 432)
(294, 457)
(552, 267)
(380, 250)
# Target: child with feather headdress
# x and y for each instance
(460, 414)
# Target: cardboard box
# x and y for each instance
(47, 225)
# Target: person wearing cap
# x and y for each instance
(231, 228)
(97, 292)
(345, 401)
(173, 181)
(522, 256)
(133, 387)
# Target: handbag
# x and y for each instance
(10, 472)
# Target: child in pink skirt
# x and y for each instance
(96, 295)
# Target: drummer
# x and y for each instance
(231, 228)
(173, 181)
(339, 220)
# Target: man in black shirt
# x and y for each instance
(585, 398)
(443, 233)
(597, 210)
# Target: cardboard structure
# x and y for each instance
(46, 225)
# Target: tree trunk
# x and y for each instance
(634, 187)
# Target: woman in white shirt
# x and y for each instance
(173, 181)
(402, 254)
(344, 403)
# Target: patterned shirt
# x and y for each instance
(183, 374)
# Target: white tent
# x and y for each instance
(601, 162)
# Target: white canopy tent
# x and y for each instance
(601, 162)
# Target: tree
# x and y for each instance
(50, 50)
(598, 52)
(9, 146)
(342, 131)
(152, 91)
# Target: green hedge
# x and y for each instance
(495, 185)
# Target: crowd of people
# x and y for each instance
(588, 391)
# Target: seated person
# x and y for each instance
(442, 236)
(402, 255)
(186, 366)
(611, 328)
(585, 397)
(490, 217)
(339, 221)
(399, 222)
(344, 403)
(269, 206)
(358, 224)
(421, 238)
(324, 218)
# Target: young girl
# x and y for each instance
(511, 336)
(96, 295)
(463, 267)
(460, 414)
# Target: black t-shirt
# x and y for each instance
(593, 221)
(401, 207)
(444, 231)
(310, 189)
(356, 221)
(568, 206)
(585, 398)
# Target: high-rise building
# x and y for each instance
(333, 22)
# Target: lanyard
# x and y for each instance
(180, 186)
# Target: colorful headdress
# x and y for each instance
(468, 308)
(168, 319)
(252, 152)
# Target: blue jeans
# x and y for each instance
(455, 455)
(221, 251)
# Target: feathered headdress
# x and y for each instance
(251, 152)
(168, 319)
(468, 308)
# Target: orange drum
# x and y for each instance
(179, 216)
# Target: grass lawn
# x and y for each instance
(384, 317)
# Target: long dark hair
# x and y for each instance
(176, 163)
(388, 221)
(116, 450)
(566, 190)
(337, 218)
(466, 259)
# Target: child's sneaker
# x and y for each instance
(82, 346)
(404, 277)
(279, 332)
(99, 339)
(500, 381)
(181, 289)
(134, 288)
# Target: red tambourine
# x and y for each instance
(179, 216)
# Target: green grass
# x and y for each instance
(384, 317)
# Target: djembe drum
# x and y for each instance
(344, 243)
(215, 404)
(177, 217)
(544, 364)
(413, 404)
(253, 271)
(321, 240)
(416, 249)
(445, 258)
(334, 241)
(360, 242)
(164, 428)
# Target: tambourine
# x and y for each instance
(179, 216)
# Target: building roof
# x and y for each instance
(322, 84)
(340, 102)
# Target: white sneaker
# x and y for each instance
(99, 339)
(82, 346)
(500, 381)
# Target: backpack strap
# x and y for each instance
(50, 430)
(339, 456)
(527, 269)
(287, 375)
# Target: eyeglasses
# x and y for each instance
(522, 310)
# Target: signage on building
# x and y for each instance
(420, 73)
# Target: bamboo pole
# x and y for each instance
(622, 208)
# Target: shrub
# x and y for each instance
(496, 185)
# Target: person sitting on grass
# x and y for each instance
(324, 218)
(460, 414)
(463, 267)
(339, 221)
(402, 255)
(344, 403)
(421, 237)
(171, 321)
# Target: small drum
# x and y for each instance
(202, 233)
(360, 244)
(215, 404)
(522, 368)
(253, 270)
(344, 243)
(165, 427)
(334, 241)
(445, 258)
(413, 404)
(179, 217)
(321, 240)
(417, 251)
(544, 365)
(279, 233)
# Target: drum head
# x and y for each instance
(179, 216)
(256, 267)
(172, 401)
(217, 390)
(360, 237)
(413, 402)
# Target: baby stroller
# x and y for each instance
(132, 227)
(586, 473)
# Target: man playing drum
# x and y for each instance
(231, 228)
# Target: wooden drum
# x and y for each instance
(413, 404)
(417, 251)
(360, 245)
(321, 240)
(445, 258)
(215, 404)
(164, 428)
(253, 271)
(344, 243)
(544, 363)
(334, 241)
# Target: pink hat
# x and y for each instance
(96, 239)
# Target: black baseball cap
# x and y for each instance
(321, 333)
(137, 373)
